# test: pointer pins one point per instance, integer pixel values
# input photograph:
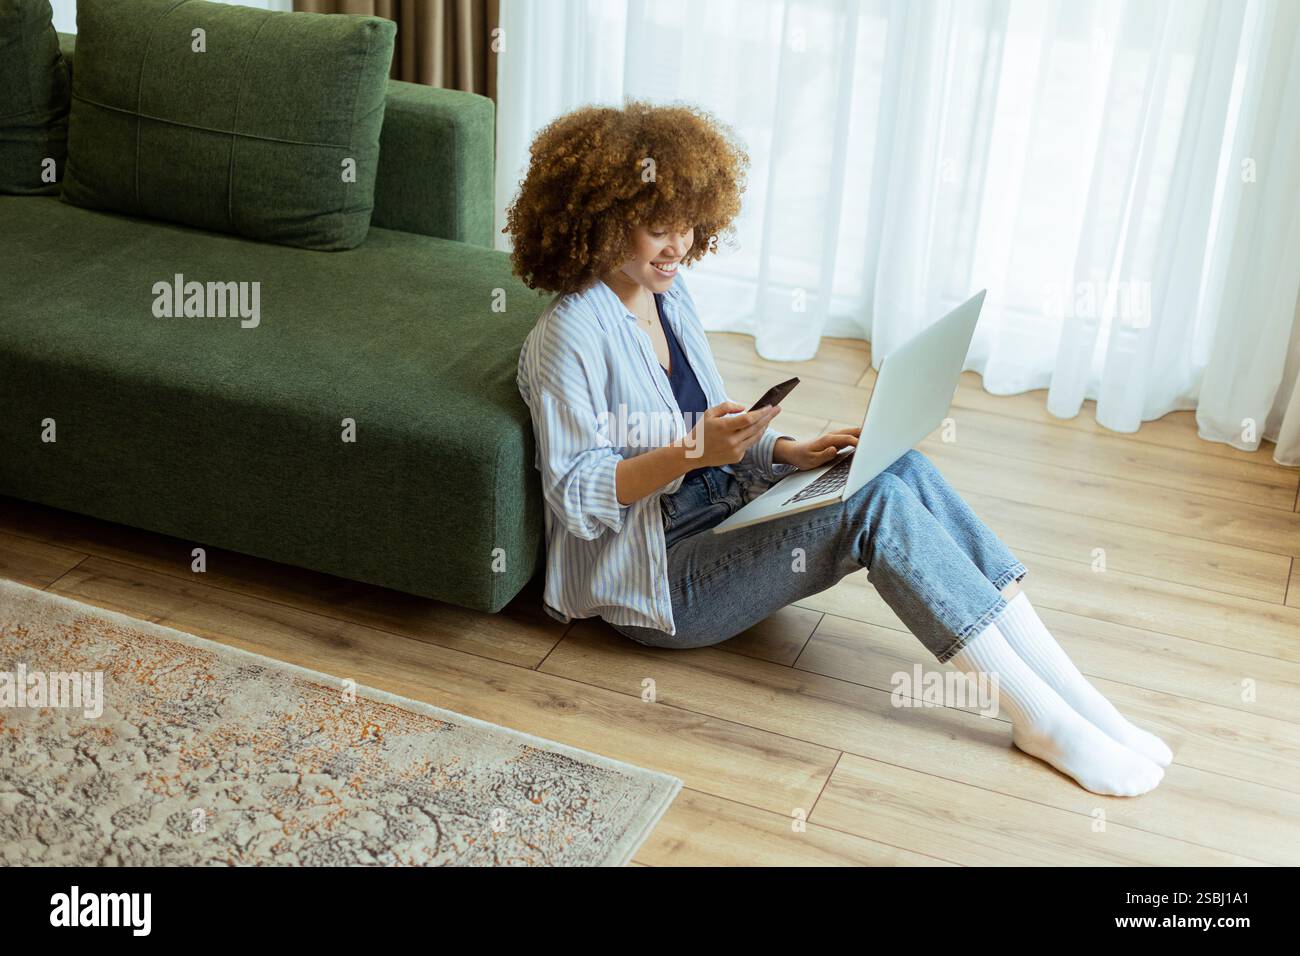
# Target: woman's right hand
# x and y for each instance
(723, 437)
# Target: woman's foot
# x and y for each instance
(1028, 636)
(1075, 747)
(1045, 726)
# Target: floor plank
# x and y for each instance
(36, 563)
(838, 360)
(1241, 523)
(977, 827)
(703, 830)
(1177, 469)
(1158, 554)
(1174, 430)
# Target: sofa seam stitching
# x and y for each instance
(207, 129)
(139, 90)
(234, 134)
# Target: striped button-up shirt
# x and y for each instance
(597, 394)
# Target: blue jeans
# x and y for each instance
(933, 561)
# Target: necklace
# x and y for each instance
(649, 322)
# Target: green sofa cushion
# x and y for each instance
(435, 160)
(33, 100)
(231, 436)
(249, 136)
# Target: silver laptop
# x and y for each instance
(913, 392)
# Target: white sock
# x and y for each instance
(1045, 726)
(1029, 638)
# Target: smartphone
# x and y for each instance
(776, 394)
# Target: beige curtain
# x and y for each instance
(444, 43)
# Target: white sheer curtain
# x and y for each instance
(1123, 177)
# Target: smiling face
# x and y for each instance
(656, 251)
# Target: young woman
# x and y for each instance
(640, 451)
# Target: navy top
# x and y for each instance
(686, 387)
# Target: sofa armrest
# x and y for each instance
(436, 162)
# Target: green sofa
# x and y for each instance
(231, 437)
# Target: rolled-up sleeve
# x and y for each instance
(763, 450)
(757, 461)
(578, 465)
(562, 379)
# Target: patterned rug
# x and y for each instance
(125, 743)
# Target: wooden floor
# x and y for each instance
(785, 737)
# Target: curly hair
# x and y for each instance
(597, 172)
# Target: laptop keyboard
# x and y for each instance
(834, 480)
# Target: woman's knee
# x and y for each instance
(887, 486)
(885, 505)
(885, 491)
(911, 464)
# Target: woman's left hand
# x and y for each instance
(815, 451)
